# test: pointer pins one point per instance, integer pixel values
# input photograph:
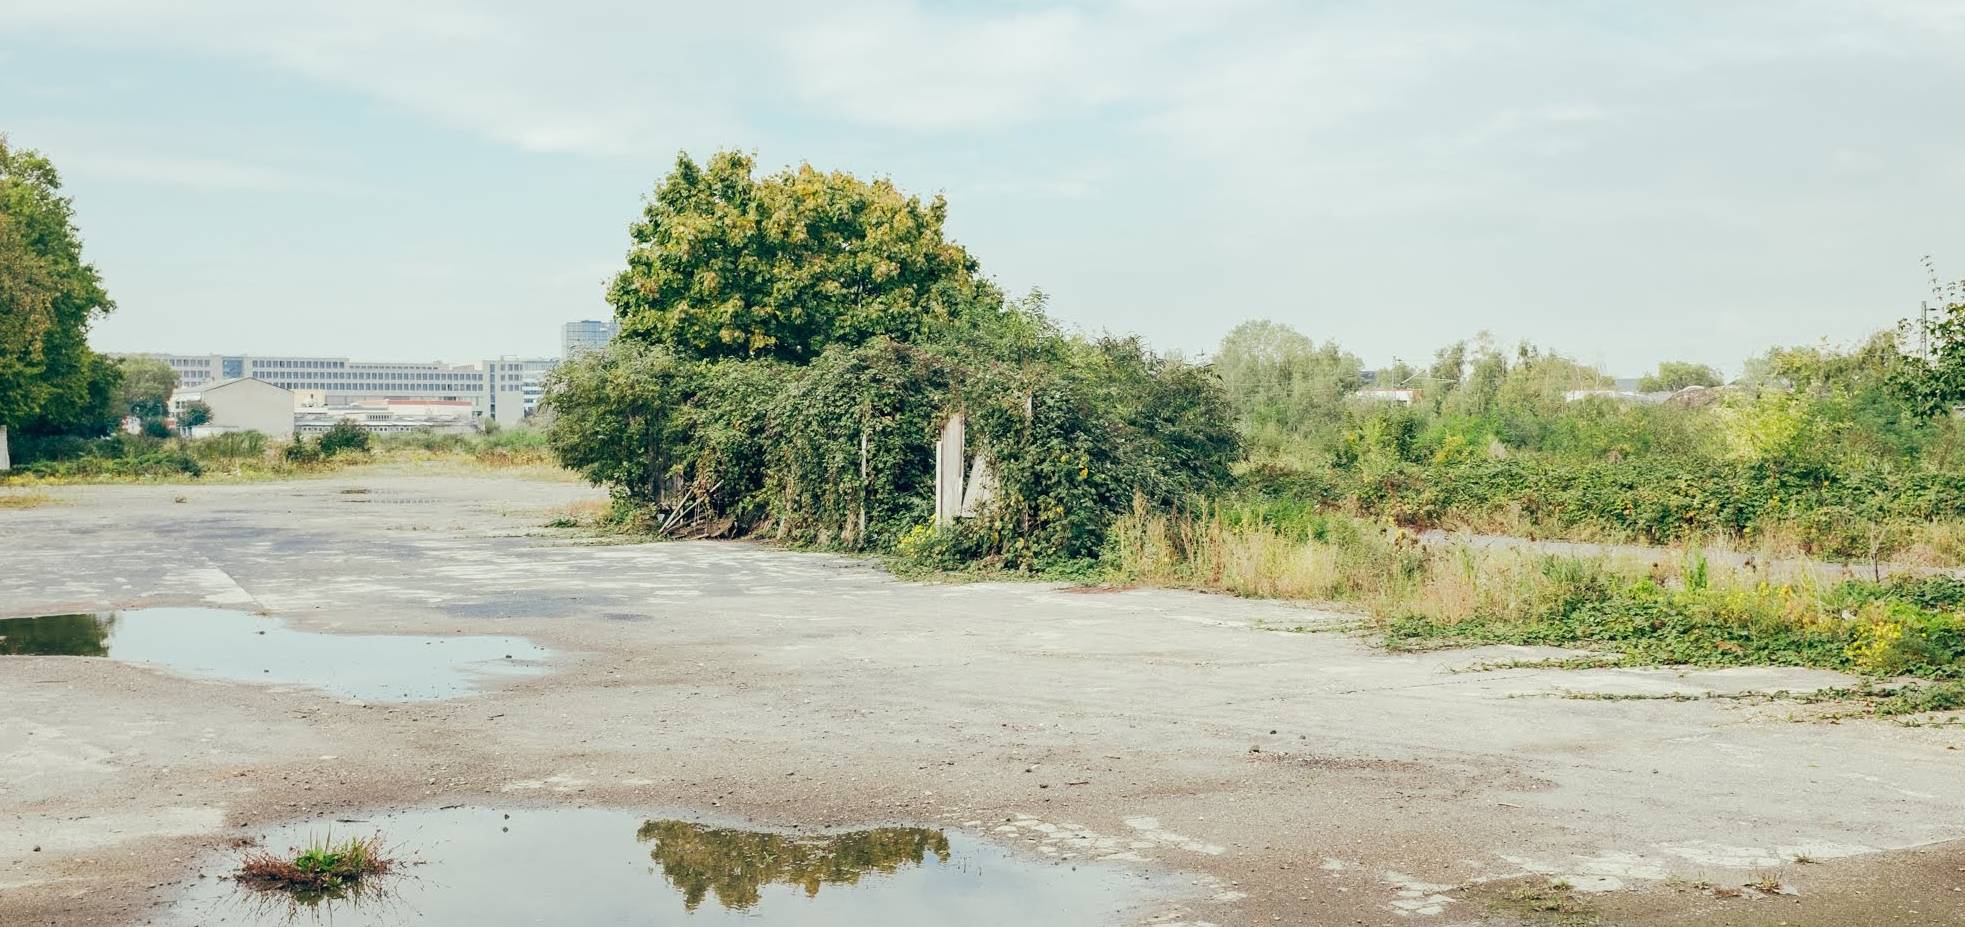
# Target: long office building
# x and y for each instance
(502, 389)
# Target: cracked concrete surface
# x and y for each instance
(1283, 777)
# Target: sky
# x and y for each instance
(1620, 182)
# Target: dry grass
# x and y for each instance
(586, 513)
(1645, 608)
(25, 499)
(1368, 566)
(1903, 546)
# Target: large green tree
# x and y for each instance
(50, 381)
(726, 265)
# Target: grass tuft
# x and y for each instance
(326, 868)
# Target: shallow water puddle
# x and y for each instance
(234, 645)
(587, 866)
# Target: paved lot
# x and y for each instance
(1280, 777)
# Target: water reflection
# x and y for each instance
(84, 635)
(737, 864)
(594, 867)
(243, 647)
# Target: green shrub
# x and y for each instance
(302, 451)
(343, 437)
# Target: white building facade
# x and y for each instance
(244, 404)
(496, 388)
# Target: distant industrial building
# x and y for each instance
(390, 416)
(503, 389)
(577, 338)
(243, 404)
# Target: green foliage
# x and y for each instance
(1934, 384)
(89, 386)
(1672, 376)
(727, 265)
(146, 386)
(343, 437)
(194, 413)
(1075, 440)
(851, 460)
(302, 451)
(232, 446)
(615, 415)
(1590, 604)
(840, 452)
(791, 346)
(1281, 384)
(50, 382)
(324, 869)
(1439, 595)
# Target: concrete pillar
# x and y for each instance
(5, 463)
(980, 489)
(950, 457)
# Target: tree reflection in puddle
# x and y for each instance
(736, 864)
(213, 643)
(83, 635)
(593, 866)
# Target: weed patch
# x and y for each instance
(1429, 597)
(28, 499)
(324, 869)
(1910, 703)
(1551, 905)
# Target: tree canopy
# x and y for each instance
(1279, 377)
(146, 388)
(724, 264)
(50, 381)
(1672, 376)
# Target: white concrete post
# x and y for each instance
(949, 460)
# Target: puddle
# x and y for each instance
(225, 644)
(592, 866)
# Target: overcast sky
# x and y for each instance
(1622, 182)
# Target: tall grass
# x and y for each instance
(1685, 612)
(517, 446)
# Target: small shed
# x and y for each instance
(244, 404)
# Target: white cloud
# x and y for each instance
(1754, 156)
(201, 173)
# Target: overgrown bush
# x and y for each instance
(840, 452)
(343, 437)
